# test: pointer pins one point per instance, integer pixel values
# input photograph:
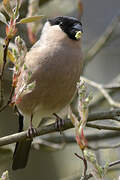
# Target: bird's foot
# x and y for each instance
(32, 132)
(59, 122)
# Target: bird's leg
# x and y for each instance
(32, 132)
(59, 122)
(20, 122)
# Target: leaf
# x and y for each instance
(30, 19)
(3, 18)
(18, 4)
(25, 67)
(31, 86)
(73, 118)
(8, 7)
(11, 56)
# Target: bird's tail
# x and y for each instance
(22, 149)
(21, 154)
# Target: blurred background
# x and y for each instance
(61, 163)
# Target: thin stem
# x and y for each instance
(9, 99)
(114, 163)
(102, 40)
(7, 40)
(103, 91)
(84, 161)
(101, 127)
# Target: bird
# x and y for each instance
(48, 78)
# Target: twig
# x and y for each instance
(85, 164)
(41, 131)
(9, 99)
(7, 40)
(5, 46)
(103, 91)
(114, 163)
(102, 40)
(90, 137)
(112, 86)
(2, 106)
(11, 45)
(111, 114)
(79, 156)
(76, 176)
(85, 176)
(101, 127)
(90, 175)
(67, 125)
(104, 147)
(1, 92)
(99, 98)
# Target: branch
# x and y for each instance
(58, 142)
(98, 97)
(102, 40)
(5, 46)
(9, 99)
(111, 114)
(11, 45)
(103, 91)
(41, 131)
(114, 163)
(90, 137)
(84, 162)
(104, 147)
(101, 127)
(67, 125)
(77, 175)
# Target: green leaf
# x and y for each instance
(16, 14)
(30, 19)
(11, 56)
(25, 67)
(31, 86)
(3, 18)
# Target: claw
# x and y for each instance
(59, 123)
(32, 132)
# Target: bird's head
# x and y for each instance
(70, 25)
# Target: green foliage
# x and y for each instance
(30, 19)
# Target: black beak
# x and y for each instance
(78, 27)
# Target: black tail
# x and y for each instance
(21, 154)
(22, 150)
